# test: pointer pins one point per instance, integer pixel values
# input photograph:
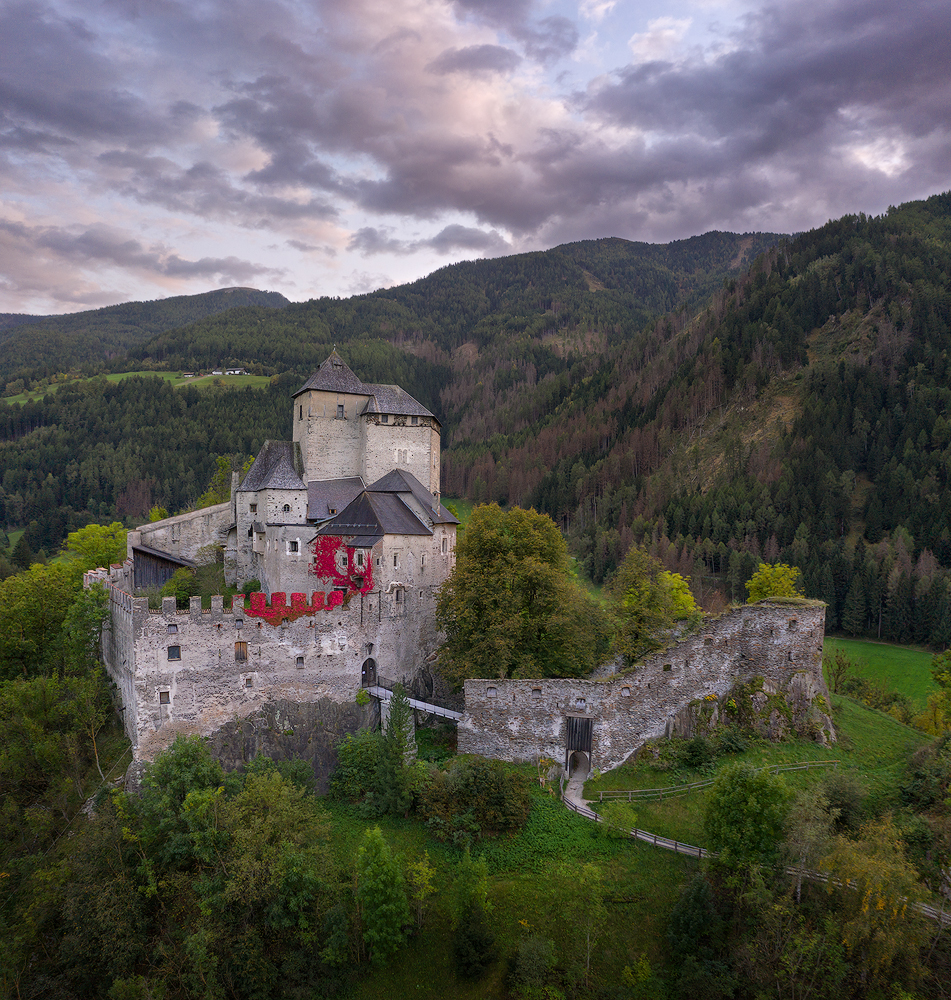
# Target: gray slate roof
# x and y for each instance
(372, 514)
(326, 494)
(398, 481)
(334, 376)
(278, 467)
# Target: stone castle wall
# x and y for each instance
(196, 671)
(184, 534)
(779, 642)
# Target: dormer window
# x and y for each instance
(332, 510)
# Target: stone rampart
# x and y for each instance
(778, 642)
(197, 670)
(184, 534)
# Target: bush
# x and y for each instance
(476, 797)
(358, 759)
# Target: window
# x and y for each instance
(248, 682)
(172, 629)
(625, 692)
(491, 692)
(340, 413)
(414, 420)
(395, 560)
(332, 510)
(536, 693)
(293, 547)
(793, 624)
(301, 417)
(240, 652)
(254, 508)
(238, 622)
(359, 558)
(385, 419)
(286, 508)
(399, 596)
(579, 702)
(445, 545)
(174, 652)
(668, 666)
(422, 561)
(300, 662)
(163, 697)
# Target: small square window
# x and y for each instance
(240, 652)
(254, 508)
(172, 629)
(332, 510)
(300, 662)
(580, 703)
(292, 547)
(248, 682)
(174, 652)
(536, 693)
(164, 698)
(491, 692)
(238, 622)
(625, 692)
(668, 666)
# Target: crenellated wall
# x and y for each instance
(778, 642)
(194, 671)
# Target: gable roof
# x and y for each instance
(399, 481)
(278, 467)
(375, 514)
(327, 497)
(334, 376)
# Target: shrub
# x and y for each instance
(358, 759)
(477, 797)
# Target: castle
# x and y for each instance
(346, 518)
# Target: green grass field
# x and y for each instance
(900, 668)
(175, 378)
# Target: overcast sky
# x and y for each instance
(326, 147)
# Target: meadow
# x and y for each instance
(906, 669)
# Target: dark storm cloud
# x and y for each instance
(476, 59)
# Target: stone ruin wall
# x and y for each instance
(779, 642)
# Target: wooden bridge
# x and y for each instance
(384, 694)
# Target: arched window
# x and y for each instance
(286, 508)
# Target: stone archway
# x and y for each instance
(368, 677)
(579, 763)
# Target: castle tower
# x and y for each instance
(346, 427)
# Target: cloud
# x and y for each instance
(44, 252)
(206, 133)
(663, 36)
(369, 241)
(475, 60)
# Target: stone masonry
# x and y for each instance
(781, 643)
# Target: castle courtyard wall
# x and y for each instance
(781, 643)
(184, 534)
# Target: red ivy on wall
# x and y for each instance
(355, 580)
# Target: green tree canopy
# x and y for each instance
(647, 602)
(746, 814)
(97, 545)
(774, 581)
(510, 607)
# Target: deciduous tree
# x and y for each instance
(778, 580)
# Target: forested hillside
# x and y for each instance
(34, 347)
(798, 411)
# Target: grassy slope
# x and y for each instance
(899, 668)
(203, 382)
(643, 883)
